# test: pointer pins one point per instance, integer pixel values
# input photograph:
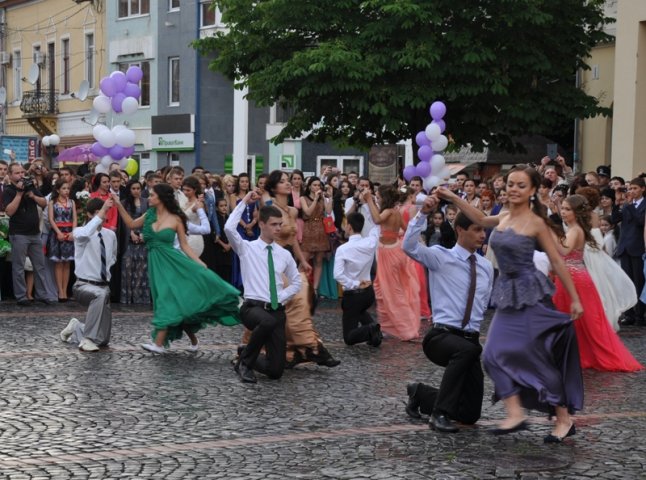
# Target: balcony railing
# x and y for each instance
(40, 102)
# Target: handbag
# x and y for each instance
(328, 225)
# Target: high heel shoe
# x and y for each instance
(556, 439)
(524, 425)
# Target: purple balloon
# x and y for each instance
(127, 151)
(99, 150)
(438, 110)
(107, 86)
(441, 123)
(117, 100)
(116, 152)
(119, 79)
(424, 154)
(423, 169)
(134, 74)
(421, 139)
(409, 172)
(132, 90)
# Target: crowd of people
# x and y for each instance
(287, 241)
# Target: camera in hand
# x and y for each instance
(28, 184)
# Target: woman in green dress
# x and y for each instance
(187, 296)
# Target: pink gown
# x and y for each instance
(425, 308)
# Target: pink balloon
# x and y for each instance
(98, 149)
(119, 79)
(132, 90)
(117, 100)
(134, 74)
(421, 139)
(107, 86)
(423, 169)
(424, 154)
(409, 172)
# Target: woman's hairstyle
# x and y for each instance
(240, 177)
(166, 196)
(581, 209)
(129, 200)
(591, 194)
(547, 183)
(228, 178)
(300, 174)
(96, 181)
(488, 194)
(308, 187)
(201, 177)
(273, 179)
(216, 182)
(56, 189)
(608, 193)
(404, 193)
(194, 183)
(438, 212)
(389, 196)
(339, 194)
(578, 182)
(260, 177)
(615, 229)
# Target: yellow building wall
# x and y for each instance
(596, 133)
(41, 23)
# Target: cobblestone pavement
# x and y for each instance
(124, 413)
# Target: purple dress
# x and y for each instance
(531, 348)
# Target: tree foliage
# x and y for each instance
(364, 71)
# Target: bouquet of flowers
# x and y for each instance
(82, 198)
(5, 246)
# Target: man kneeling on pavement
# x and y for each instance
(95, 251)
(455, 274)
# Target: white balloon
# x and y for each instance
(46, 141)
(437, 163)
(440, 143)
(126, 137)
(123, 163)
(118, 127)
(129, 105)
(107, 139)
(433, 132)
(54, 139)
(430, 182)
(100, 169)
(96, 131)
(102, 104)
(106, 161)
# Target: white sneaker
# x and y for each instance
(193, 348)
(67, 332)
(153, 348)
(87, 345)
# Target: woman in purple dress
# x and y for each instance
(531, 351)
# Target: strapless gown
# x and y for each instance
(599, 346)
(531, 348)
(185, 294)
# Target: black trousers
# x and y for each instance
(356, 319)
(268, 331)
(634, 268)
(462, 387)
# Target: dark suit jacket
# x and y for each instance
(631, 238)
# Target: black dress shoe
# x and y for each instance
(555, 439)
(375, 335)
(442, 423)
(516, 428)
(323, 358)
(246, 374)
(412, 406)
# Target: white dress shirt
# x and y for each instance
(87, 250)
(353, 260)
(365, 211)
(254, 266)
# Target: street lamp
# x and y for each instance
(50, 142)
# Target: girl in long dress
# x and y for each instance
(531, 351)
(60, 244)
(196, 218)
(396, 286)
(187, 296)
(599, 346)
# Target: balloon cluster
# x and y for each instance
(51, 140)
(432, 166)
(120, 93)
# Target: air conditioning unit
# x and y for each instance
(5, 58)
(39, 58)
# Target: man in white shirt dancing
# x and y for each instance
(95, 251)
(352, 264)
(263, 263)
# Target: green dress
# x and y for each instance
(185, 294)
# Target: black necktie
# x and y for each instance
(472, 291)
(104, 270)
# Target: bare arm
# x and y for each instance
(574, 240)
(12, 206)
(377, 217)
(308, 205)
(50, 215)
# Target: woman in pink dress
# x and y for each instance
(600, 347)
(396, 286)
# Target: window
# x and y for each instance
(131, 8)
(344, 164)
(17, 76)
(207, 14)
(37, 58)
(89, 58)
(173, 5)
(173, 81)
(144, 84)
(51, 66)
(65, 66)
